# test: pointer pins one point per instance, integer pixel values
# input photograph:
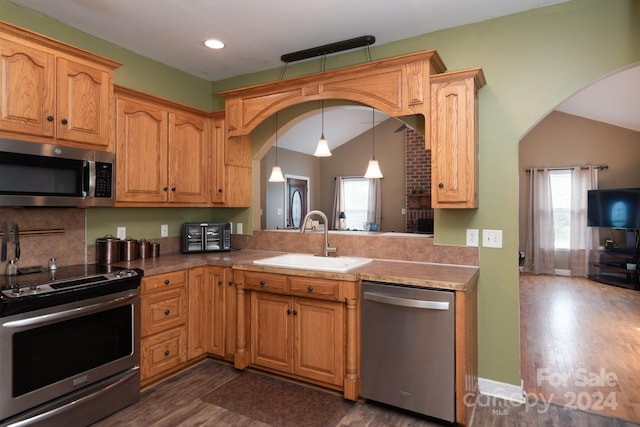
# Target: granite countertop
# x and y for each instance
(440, 276)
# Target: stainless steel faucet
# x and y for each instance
(325, 249)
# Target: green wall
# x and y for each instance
(532, 61)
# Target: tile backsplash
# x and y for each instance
(46, 233)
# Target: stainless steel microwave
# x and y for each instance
(33, 174)
(206, 237)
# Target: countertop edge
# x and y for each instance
(432, 275)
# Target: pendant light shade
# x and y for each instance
(322, 150)
(276, 172)
(373, 170)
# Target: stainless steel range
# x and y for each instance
(69, 345)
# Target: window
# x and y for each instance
(560, 181)
(356, 202)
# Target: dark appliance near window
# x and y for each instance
(69, 345)
(206, 237)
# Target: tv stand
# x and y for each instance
(616, 266)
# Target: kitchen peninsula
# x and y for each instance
(221, 292)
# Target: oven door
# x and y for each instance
(55, 351)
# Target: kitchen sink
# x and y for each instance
(313, 262)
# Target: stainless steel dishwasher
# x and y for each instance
(408, 348)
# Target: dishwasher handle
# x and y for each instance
(404, 302)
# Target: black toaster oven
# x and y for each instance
(206, 237)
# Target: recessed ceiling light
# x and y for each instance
(214, 44)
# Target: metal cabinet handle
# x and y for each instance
(295, 312)
(230, 283)
(166, 312)
(173, 188)
(49, 118)
(64, 121)
(441, 185)
(288, 311)
(166, 282)
(165, 189)
(219, 282)
(310, 288)
(406, 302)
(262, 283)
(166, 352)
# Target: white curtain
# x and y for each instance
(582, 237)
(539, 241)
(374, 210)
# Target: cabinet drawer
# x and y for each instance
(163, 281)
(163, 310)
(314, 288)
(163, 351)
(265, 282)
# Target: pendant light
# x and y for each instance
(322, 150)
(373, 170)
(276, 172)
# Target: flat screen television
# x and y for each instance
(614, 208)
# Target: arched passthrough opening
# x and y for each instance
(567, 323)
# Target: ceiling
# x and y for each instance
(257, 33)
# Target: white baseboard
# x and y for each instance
(501, 390)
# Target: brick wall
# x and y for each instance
(418, 165)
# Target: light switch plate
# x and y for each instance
(492, 238)
(238, 228)
(164, 230)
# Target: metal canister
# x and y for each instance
(107, 249)
(128, 249)
(143, 249)
(155, 250)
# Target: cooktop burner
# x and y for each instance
(26, 292)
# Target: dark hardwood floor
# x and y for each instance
(177, 401)
(580, 344)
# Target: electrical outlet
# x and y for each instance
(492, 238)
(164, 230)
(239, 228)
(472, 237)
(121, 233)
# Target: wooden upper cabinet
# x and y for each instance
(52, 92)
(141, 147)
(85, 96)
(454, 138)
(163, 152)
(27, 88)
(188, 158)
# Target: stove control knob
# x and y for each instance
(17, 291)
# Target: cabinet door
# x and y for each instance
(27, 90)
(319, 340)
(198, 313)
(163, 310)
(141, 147)
(188, 158)
(84, 99)
(216, 320)
(271, 331)
(218, 175)
(163, 351)
(454, 146)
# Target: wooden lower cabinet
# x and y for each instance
(301, 327)
(163, 325)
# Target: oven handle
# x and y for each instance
(68, 314)
(404, 302)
